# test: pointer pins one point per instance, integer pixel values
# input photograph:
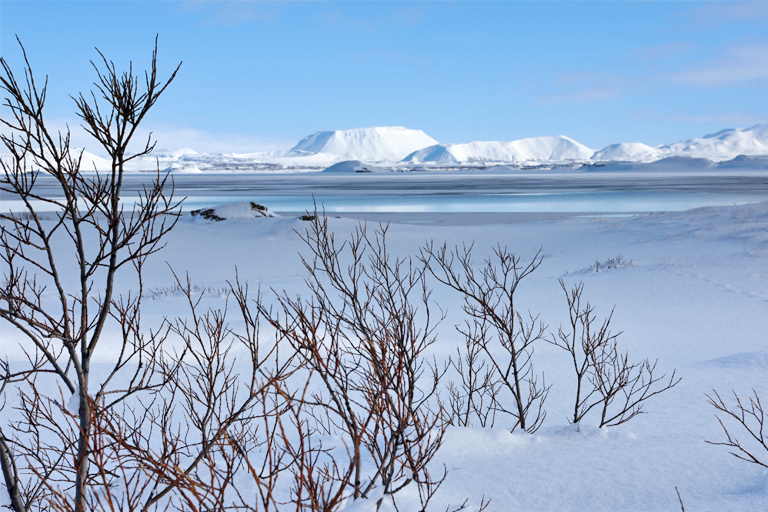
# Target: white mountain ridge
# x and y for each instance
(379, 144)
(534, 149)
(396, 145)
(718, 147)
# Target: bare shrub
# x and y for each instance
(505, 335)
(215, 415)
(62, 321)
(581, 340)
(365, 333)
(474, 397)
(605, 378)
(163, 292)
(750, 419)
(609, 264)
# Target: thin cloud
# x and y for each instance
(581, 77)
(720, 119)
(741, 65)
(663, 51)
(589, 94)
(720, 13)
(212, 142)
(728, 118)
(232, 13)
(174, 137)
(338, 20)
(409, 16)
(406, 16)
(399, 57)
(585, 87)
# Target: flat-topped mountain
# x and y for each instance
(384, 143)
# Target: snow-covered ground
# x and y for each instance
(695, 296)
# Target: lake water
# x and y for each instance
(449, 193)
(593, 202)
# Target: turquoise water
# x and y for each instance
(446, 193)
(594, 202)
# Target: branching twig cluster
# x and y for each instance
(63, 322)
(496, 326)
(606, 380)
(750, 416)
(364, 333)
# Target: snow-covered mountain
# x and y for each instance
(627, 152)
(723, 145)
(718, 147)
(89, 161)
(386, 143)
(536, 149)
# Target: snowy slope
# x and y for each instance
(539, 149)
(389, 143)
(351, 166)
(89, 161)
(691, 270)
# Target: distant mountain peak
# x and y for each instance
(759, 131)
(380, 143)
(539, 149)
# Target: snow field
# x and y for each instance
(695, 297)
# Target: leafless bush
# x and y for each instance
(215, 415)
(476, 393)
(63, 322)
(581, 340)
(609, 264)
(162, 292)
(495, 325)
(605, 378)
(750, 418)
(365, 333)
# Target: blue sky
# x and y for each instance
(262, 75)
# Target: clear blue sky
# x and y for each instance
(261, 75)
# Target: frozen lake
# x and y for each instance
(457, 193)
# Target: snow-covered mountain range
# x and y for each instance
(518, 151)
(720, 146)
(395, 145)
